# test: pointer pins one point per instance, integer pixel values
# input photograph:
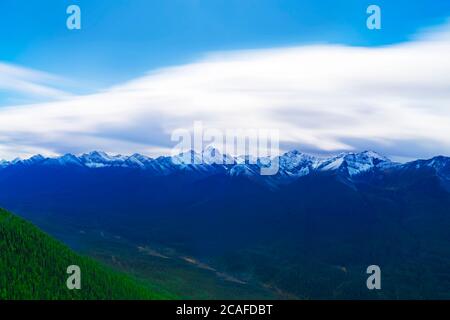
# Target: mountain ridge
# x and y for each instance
(292, 164)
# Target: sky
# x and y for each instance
(137, 70)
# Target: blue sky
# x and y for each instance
(122, 39)
(140, 69)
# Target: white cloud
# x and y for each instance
(29, 82)
(322, 98)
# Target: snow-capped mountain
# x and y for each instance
(212, 155)
(295, 163)
(354, 163)
(98, 159)
(292, 164)
(65, 160)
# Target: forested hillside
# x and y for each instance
(33, 266)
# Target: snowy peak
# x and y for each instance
(354, 163)
(65, 160)
(136, 161)
(294, 159)
(33, 160)
(375, 156)
(98, 159)
(295, 163)
(212, 155)
(98, 156)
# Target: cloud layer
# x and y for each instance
(322, 99)
(28, 82)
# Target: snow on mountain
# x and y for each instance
(295, 163)
(161, 165)
(440, 164)
(212, 155)
(65, 160)
(98, 159)
(186, 158)
(292, 164)
(331, 164)
(244, 169)
(186, 161)
(33, 160)
(245, 159)
(353, 163)
(137, 161)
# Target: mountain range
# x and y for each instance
(292, 165)
(310, 231)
